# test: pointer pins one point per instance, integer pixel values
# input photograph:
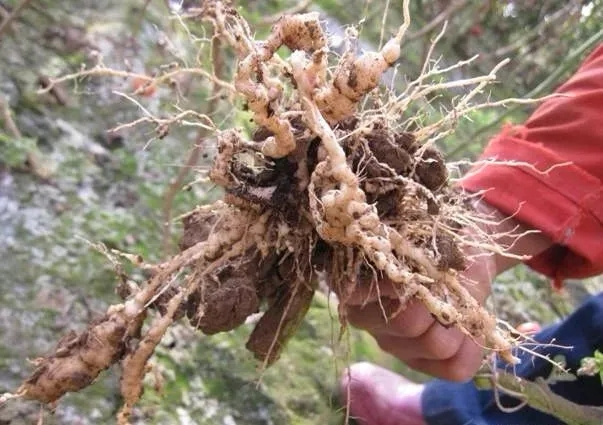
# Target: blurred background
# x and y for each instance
(65, 180)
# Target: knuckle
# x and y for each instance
(416, 328)
(463, 366)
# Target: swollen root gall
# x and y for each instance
(323, 189)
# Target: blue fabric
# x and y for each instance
(451, 403)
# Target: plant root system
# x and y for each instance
(328, 185)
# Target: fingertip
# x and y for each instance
(460, 368)
(471, 357)
(440, 343)
(413, 321)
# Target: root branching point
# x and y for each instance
(323, 185)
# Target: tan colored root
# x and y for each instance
(354, 78)
(320, 181)
(342, 215)
(252, 80)
(79, 359)
(134, 365)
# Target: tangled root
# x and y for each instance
(320, 187)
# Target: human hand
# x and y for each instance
(411, 333)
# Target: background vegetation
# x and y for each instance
(64, 180)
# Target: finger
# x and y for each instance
(411, 322)
(374, 316)
(438, 343)
(461, 367)
(477, 277)
(366, 292)
(479, 290)
(529, 328)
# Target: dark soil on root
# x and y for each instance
(397, 175)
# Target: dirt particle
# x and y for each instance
(161, 303)
(260, 134)
(450, 255)
(197, 226)
(431, 169)
(348, 124)
(353, 78)
(388, 205)
(382, 146)
(406, 141)
(432, 206)
(223, 304)
(279, 322)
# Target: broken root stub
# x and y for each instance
(320, 187)
(79, 359)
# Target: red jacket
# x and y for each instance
(565, 203)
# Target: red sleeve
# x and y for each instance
(563, 201)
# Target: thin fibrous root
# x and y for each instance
(344, 217)
(321, 186)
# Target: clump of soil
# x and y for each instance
(321, 188)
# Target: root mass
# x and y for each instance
(320, 187)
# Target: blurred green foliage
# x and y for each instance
(594, 364)
(14, 151)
